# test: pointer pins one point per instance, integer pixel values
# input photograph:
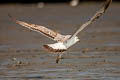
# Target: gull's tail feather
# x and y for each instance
(57, 47)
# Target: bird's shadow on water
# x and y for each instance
(34, 77)
(31, 77)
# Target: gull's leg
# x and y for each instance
(59, 55)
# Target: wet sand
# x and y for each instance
(95, 57)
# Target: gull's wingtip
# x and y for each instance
(13, 19)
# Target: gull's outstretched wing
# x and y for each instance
(96, 16)
(73, 39)
(43, 30)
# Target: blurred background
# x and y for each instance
(46, 1)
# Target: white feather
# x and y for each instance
(58, 45)
(70, 42)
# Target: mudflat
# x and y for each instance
(95, 57)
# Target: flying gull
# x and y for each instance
(63, 42)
